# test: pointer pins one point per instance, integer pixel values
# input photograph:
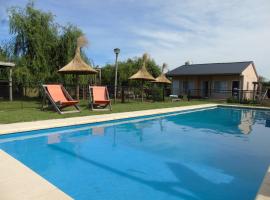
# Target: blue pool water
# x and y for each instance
(219, 153)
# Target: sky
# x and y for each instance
(171, 31)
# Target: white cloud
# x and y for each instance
(172, 31)
(209, 31)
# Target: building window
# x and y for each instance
(175, 86)
(188, 85)
(220, 86)
(180, 87)
(185, 86)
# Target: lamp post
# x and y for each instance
(116, 51)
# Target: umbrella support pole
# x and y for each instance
(77, 87)
(163, 93)
(142, 90)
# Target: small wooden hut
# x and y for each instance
(8, 66)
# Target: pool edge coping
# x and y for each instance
(244, 107)
(19, 181)
(57, 123)
(264, 191)
(46, 189)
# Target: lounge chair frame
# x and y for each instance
(57, 105)
(92, 104)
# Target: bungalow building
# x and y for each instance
(215, 80)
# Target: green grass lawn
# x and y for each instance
(22, 111)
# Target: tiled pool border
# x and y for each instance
(263, 194)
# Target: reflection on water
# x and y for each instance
(246, 121)
(54, 138)
(213, 154)
(267, 123)
(98, 130)
(232, 121)
(223, 120)
(214, 175)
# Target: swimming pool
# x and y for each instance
(217, 153)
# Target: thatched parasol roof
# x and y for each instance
(77, 65)
(143, 74)
(162, 77)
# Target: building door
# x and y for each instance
(235, 88)
(205, 88)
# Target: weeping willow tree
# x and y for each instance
(34, 41)
(39, 45)
(3, 55)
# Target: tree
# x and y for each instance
(3, 55)
(39, 45)
(126, 69)
(262, 79)
(35, 40)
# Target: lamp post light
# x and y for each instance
(116, 51)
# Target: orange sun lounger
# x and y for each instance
(99, 98)
(59, 98)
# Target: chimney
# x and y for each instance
(188, 62)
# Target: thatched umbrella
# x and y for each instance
(77, 66)
(143, 74)
(162, 79)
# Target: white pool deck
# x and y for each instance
(44, 124)
(264, 192)
(19, 182)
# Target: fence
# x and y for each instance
(236, 95)
(29, 95)
(25, 94)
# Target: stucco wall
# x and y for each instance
(211, 81)
(249, 76)
(246, 78)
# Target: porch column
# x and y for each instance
(253, 95)
(210, 88)
(10, 84)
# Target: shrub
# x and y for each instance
(243, 101)
(232, 100)
(157, 93)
